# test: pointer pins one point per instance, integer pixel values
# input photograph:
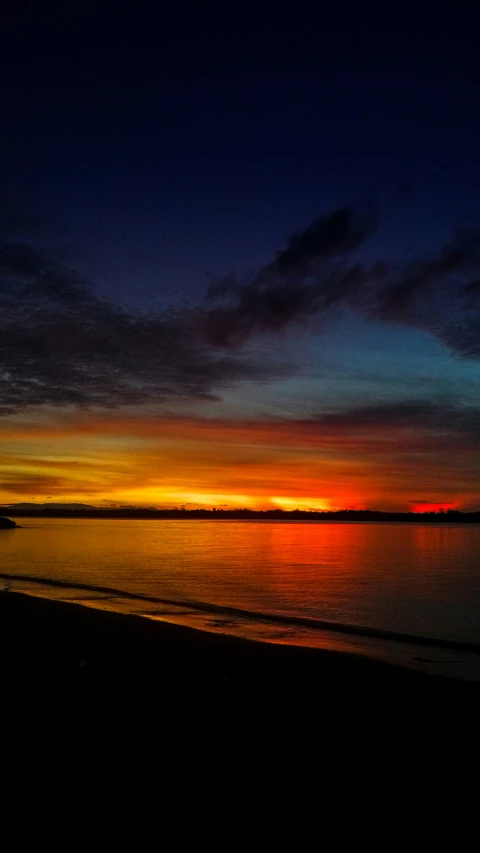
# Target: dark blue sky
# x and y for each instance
(159, 151)
(155, 156)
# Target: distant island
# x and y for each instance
(365, 515)
(7, 524)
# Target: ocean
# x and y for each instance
(404, 593)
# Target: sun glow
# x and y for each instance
(318, 504)
(168, 463)
(433, 506)
(208, 500)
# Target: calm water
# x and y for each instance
(415, 579)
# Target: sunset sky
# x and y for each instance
(240, 262)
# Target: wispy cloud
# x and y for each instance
(419, 416)
(306, 278)
(61, 345)
(407, 424)
(315, 272)
(377, 456)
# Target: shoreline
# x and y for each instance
(325, 625)
(78, 643)
(108, 699)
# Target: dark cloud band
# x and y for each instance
(61, 345)
(315, 272)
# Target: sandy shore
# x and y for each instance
(266, 734)
(82, 646)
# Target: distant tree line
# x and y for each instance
(449, 516)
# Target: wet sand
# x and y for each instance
(72, 645)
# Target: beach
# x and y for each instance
(93, 650)
(230, 719)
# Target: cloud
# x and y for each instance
(375, 456)
(315, 272)
(407, 424)
(441, 420)
(458, 257)
(327, 237)
(61, 345)
(306, 278)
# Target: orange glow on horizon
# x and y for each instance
(169, 462)
(314, 504)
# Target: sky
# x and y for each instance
(240, 261)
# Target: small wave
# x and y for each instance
(275, 618)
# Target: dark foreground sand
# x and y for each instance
(100, 655)
(92, 650)
(248, 733)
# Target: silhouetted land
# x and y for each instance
(367, 515)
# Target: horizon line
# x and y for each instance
(75, 507)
